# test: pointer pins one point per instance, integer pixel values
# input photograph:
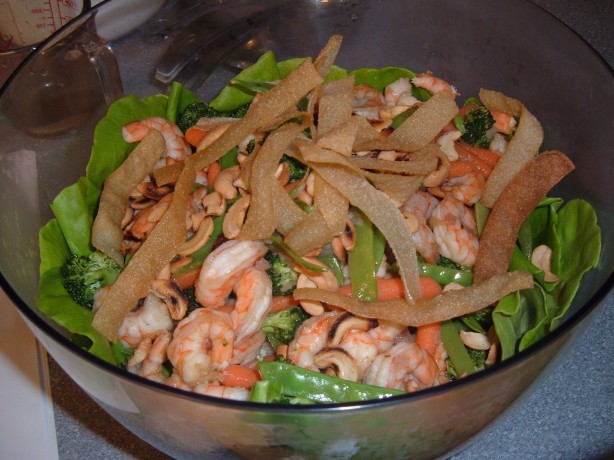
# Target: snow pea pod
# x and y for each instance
(303, 384)
(445, 275)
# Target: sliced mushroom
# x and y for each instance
(150, 190)
(338, 249)
(172, 296)
(348, 322)
(541, 257)
(198, 240)
(348, 236)
(235, 217)
(313, 307)
(141, 202)
(339, 362)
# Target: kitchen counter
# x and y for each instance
(568, 414)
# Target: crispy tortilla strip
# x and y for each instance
(261, 222)
(365, 134)
(498, 102)
(419, 129)
(398, 187)
(167, 174)
(107, 234)
(522, 148)
(325, 60)
(447, 305)
(287, 212)
(339, 139)
(310, 233)
(383, 213)
(155, 253)
(424, 161)
(282, 97)
(512, 208)
(208, 123)
(335, 106)
(333, 205)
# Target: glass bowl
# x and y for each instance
(50, 106)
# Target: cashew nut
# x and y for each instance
(235, 217)
(475, 340)
(198, 240)
(446, 144)
(214, 204)
(541, 257)
(436, 177)
(338, 362)
(223, 182)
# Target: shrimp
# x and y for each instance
(151, 367)
(399, 93)
(421, 205)
(246, 352)
(466, 189)
(311, 338)
(504, 122)
(223, 267)
(454, 228)
(146, 321)
(222, 391)
(176, 146)
(386, 334)
(254, 291)
(366, 96)
(202, 346)
(406, 366)
(361, 347)
(433, 84)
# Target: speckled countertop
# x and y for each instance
(569, 414)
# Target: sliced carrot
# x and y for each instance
(487, 156)
(465, 154)
(459, 168)
(281, 302)
(392, 288)
(212, 172)
(188, 279)
(428, 337)
(239, 376)
(194, 135)
(429, 287)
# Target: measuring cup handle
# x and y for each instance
(101, 57)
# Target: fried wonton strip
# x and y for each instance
(365, 134)
(512, 208)
(325, 60)
(385, 216)
(155, 253)
(310, 233)
(261, 222)
(287, 212)
(524, 145)
(447, 305)
(282, 97)
(107, 234)
(498, 102)
(425, 123)
(335, 105)
(419, 129)
(398, 187)
(339, 139)
(167, 174)
(424, 161)
(333, 205)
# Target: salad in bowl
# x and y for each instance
(315, 235)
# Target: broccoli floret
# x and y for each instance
(193, 304)
(297, 169)
(477, 123)
(478, 358)
(281, 274)
(199, 109)
(83, 276)
(281, 326)
(445, 262)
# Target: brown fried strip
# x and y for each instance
(447, 305)
(107, 235)
(512, 208)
